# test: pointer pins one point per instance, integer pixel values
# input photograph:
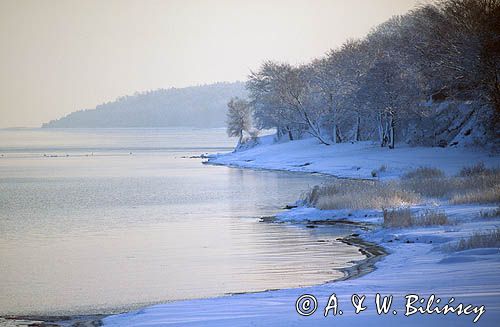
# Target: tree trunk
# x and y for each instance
(339, 135)
(356, 131)
(279, 132)
(387, 130)
(334, 138)
(334, 132)
(313, 131)
(240, 139)
(382, 130)
(316, 132)
(290, 135)
(391, 131)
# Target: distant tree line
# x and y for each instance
(195, 106)
(377, 87)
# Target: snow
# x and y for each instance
(419, 259)
(418, 263)
(356, 160)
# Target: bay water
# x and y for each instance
(107, 220)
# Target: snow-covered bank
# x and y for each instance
(418, 264)
(351, 160)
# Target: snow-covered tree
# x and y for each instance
(379, 86)
(239, 118)
(268, 109)
(281, 95)
(459, 46)
(337, 79)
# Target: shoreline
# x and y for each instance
(415, 260)
(372, 252)
(355, 161)
(53, 321)
(373, 244)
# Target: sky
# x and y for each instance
(58, 56)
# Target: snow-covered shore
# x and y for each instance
(419, 261)
(416, 265)
(351, 160)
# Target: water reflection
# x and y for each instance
(111, 231)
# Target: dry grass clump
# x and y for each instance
(475, 170)
(489, 195)
(481, 178)
(477, 184)
(474, 184)
(490, 239)
(429, 182)
(405, 218)
(398, 217)
(432, 218)
(434, 187)
(375, 172)
(424, 172)
(358, 194)
(490, 213)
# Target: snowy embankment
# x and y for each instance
(356, 160)
(420, 260)
(417, 264)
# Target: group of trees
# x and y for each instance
(376, 87)
(195, 106)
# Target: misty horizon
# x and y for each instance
(63, 57)
(265, 163)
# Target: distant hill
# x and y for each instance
(196, 106)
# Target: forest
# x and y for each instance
(429, 77)
(195, 106)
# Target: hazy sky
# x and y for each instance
(60, 56)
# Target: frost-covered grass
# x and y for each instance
(431, 218)
(428, 182)
(471, 185)
(404, 217)
(490, 213)
(490, 239)
(359, 194)
(477, 184)
(474, 184)
(490, 195)
(423, 173)
(398, 217)
(477, 169)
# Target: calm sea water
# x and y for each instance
(100, 221)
